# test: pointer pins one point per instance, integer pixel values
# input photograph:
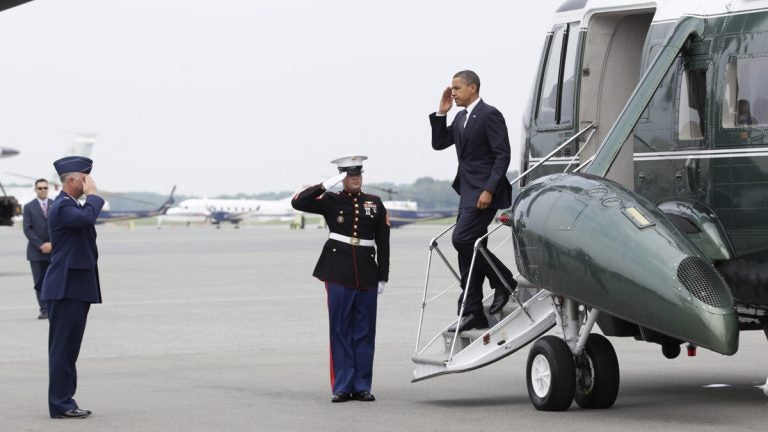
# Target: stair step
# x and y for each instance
(473, 334)
(431, 359)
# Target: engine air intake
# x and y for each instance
(701, 280)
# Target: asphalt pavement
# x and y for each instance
(207, 329)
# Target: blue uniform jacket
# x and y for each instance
(73, 272)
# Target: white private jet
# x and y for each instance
(218, 210)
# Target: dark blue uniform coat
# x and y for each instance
(73, 273)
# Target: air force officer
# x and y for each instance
(72, 281)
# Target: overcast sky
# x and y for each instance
(227, 96)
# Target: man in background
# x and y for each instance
(39, 240)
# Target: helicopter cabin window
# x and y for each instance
(693, 92)
(745, 102)
(556, 97)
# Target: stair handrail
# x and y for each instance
(554, 152)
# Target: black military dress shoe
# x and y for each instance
(469, 322)
(76, 413)
(340, 397)
(500, 298)
(43, 315)
(363, 396)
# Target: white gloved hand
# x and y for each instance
(382, 284)
(333, 181)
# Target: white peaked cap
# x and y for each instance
(350, 164)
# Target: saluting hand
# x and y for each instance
(446, 101)
(89, 186)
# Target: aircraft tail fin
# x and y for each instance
(83, 145)
(163, 209)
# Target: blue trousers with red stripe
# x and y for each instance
(352, 325)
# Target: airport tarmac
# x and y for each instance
(204, 329)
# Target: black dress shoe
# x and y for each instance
(43, 315)
(469, 322)
(340, 397)
(363, 396)
(500, 298)
(74, 414)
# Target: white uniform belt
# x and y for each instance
(351, 240)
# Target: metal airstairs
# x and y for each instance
(529, 314)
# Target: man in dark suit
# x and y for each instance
(72, 281)
(353, 276)
(479, 134)
(39, 241)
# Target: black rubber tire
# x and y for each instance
(552, 353)
(597, 374)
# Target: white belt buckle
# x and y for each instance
(354, 241)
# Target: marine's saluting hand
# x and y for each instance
(333, 181)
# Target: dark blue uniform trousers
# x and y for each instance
(67, 325)
(471, 224)
(352, 321)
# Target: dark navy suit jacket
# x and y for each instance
(36, 229)
(483, 152)
(73, 273)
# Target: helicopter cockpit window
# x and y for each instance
(745, 102)
(556, 95)
(693, 92)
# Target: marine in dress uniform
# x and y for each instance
(38, 239)
(352, 272)
(72, 281)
